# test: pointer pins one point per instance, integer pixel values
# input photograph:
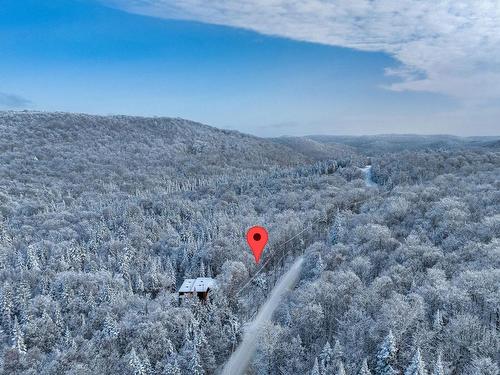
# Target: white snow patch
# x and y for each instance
(367, 172)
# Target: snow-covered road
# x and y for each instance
(238, 362)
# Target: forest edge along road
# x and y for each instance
(238, 362)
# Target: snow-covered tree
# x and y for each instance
(169, 348)
(386, 357)
(338, 351)
(202, 269)
(139, 285)
(364, 370)
(315, 369)
(337, 229)
(7, 307)
(67, 339)
(438, 321)
(32, 258)
(340, 370)
(135, 363)
(172, 367)
(18, 337)
(438, 328)
(417, 365)
(58, 319)
(438, 366)
(146, 364)
(194, 363)
(293, 357)
(204, 350)
(170, 277)
(110, 326)
(482, 366)
(326, 359)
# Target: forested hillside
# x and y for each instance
(102, 218)
(319, 150)
(401, 142)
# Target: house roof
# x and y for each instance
(201, 284)
(187, 286)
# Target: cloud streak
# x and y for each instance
(450, 47)
(12, 101)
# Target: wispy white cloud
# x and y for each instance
(449, 46)
(12, 101)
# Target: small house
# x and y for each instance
(200, 287)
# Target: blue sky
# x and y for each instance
(114, 58)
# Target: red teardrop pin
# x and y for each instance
(257, 239)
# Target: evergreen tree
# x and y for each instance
(2, 369)
(438, 328)
(204, 349)
(32, 258)
(172, 367)
(185, 265)
(22, 297)
(21, 263)
(58, 319)
(326, 359)
(170, 275)
(294, 357)
(2, 336)
(169, 348)
(386, 357)
(5, 237)
(110, 328)
(7, 307)
(153, 280)
(364, 370)
(18, 338)
(482, 366)
(135, 363)
(337, 229)
(315, 369)
(340, 368)
(338, 351)
(202, 269)
(209, 271)
(83, 324)
(437, 325)
(438, 366)
(7, 319)
(146, 364)
(194, 363)
(416, 366)
(67, 339)
(139, 285)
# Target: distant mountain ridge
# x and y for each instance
(399, 142)
(317, 150)
(183, 145)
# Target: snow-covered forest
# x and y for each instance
(102, 219)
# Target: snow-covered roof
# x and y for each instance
(187, 286)
(201, 284)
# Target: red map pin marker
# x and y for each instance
(257, 240)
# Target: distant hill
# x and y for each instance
(121, 149)
(399, 142)
(311, 148)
